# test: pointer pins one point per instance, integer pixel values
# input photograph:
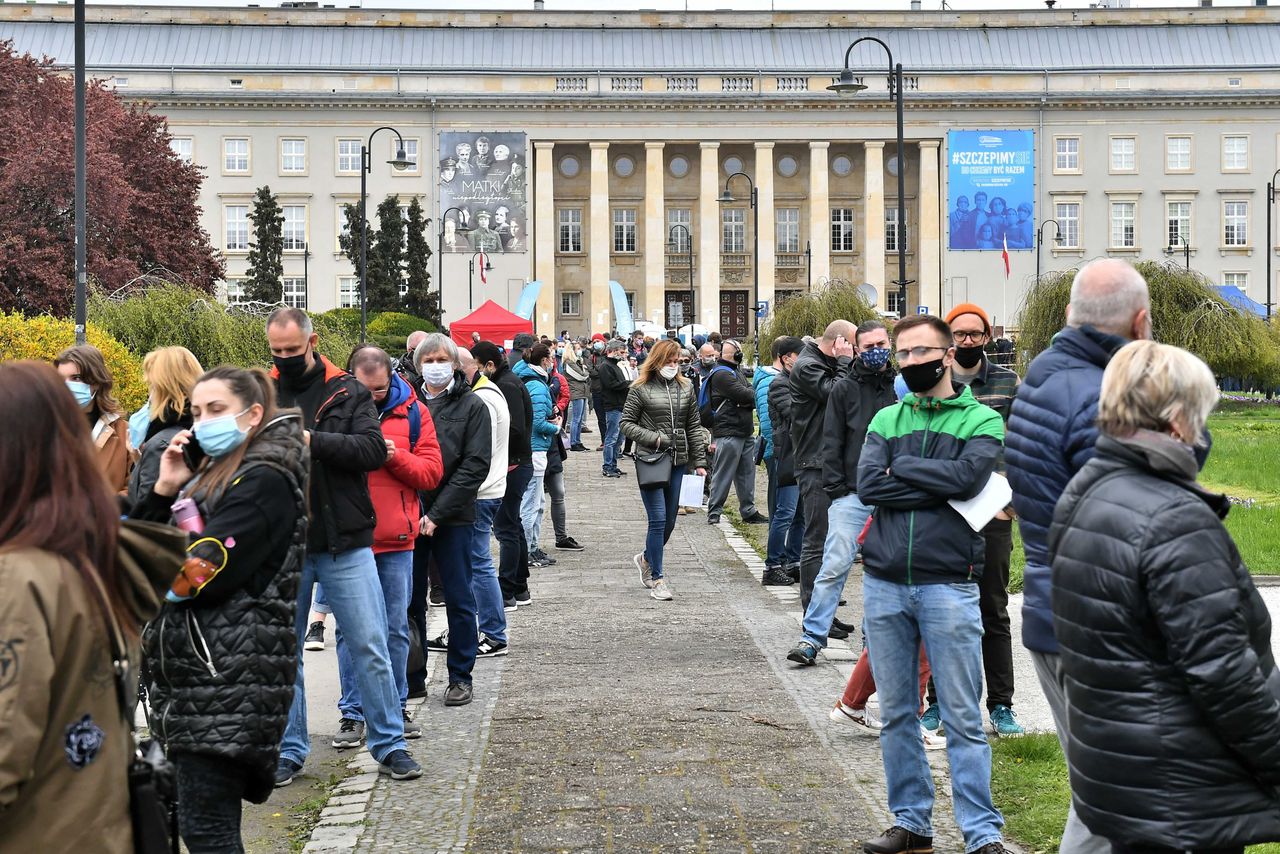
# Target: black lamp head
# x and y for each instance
(846, 85)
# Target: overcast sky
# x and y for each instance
(691, 5)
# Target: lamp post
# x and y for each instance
(401, 161)
(1057, 239)
(847, 85)
(808, 268)
(82, 273)
(688, 246)
(1269, 248)
(1179, 240)
(306, 275)
(458, 228)
(727, 198)
(471, 272)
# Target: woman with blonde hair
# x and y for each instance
(661, 415)
(1173, 697)
(579, 391)
(169, 373)
(90, 382)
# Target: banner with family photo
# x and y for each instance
(991, 185)
(483, 175)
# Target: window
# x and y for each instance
(410, 152)
(1124, 154)
(891, 230)
(183, 146)
(349, 156)
(624, 230)
(732, 165)
(237, 82)
(1235, 154)
(678, 239)
(842, 230)
(295, 226)
(570, 229)
(1237, 280)
(1177, 154)
(570, 303)
(1066, 156)
(1235, 223)
(733, 230)
(348, 292)
(1123, 219)
(631, 302)
(295, 292)
(235, 292)
(841, 165)
(892, 303)
(624, 167)
(678, 166)
(1068, 216)
(120, 82)
(343, 229)
(788, 166)
(235, 155)
(1178, 223)
(788, 229)
(236, 231)
(569, 166)
(293, 156)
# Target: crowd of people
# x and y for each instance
(202, 543)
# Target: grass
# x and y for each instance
(1029, 785)
(305, 815)
(1246, 438)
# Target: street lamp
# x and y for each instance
(1057, 239)
(688, 245)
(81, 216)
(727, 198)
(306, 275)
(847, 85)
(1270, 246)
(471, 272)
(1176, 240)
(400, 162)
(808, 268)
(459, 228)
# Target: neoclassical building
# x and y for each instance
(588, 148)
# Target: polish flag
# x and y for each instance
(1005, 255)
(484, 260)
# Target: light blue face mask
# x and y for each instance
(138, 424)
(220, 436)
(83, 393)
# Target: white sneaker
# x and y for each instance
(933, 740)
(646, 574)
(860, 718)
(660, 590)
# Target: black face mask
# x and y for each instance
(291, 367)
(967, 357)
(922, 377)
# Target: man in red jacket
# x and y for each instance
(413, 464)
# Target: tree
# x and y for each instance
(266, 252)
(386, 258)
(420, 300)
(142, 211)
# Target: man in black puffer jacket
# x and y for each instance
(733, 435)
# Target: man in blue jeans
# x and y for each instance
(922, 563)
(614, 386)
(855, 399)
(346, 443)
(491, 617)
(773, 411)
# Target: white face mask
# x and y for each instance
(437, 374)
(669, 372)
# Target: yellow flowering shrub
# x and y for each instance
(43, 338)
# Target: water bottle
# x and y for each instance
(186, 516)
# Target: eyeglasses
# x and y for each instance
(916, 352)
(975, 337)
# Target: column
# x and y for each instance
(929, 241)
(708, 259)
(873, 220)
(654, 299)
(819, 213)
(544, 247)
(598, 309)
(768, 232)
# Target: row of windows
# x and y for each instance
(1122, 155)
(236, 226)
(1124, 224)
(237, 154)
(624, 165)
(295, 291)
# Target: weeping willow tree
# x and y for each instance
(809, 314)
(1186, 311)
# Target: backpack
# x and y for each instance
(415, 425)
(706, 414)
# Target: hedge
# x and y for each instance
(43, 338)
(809, 314)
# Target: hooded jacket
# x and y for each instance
(733, 401)
(579, 379)
(779, 408)
(920, 454)
(543, 406)
(854, 401)
(812, 378)
(394, 488)
(495, 484)
(462, 426)
(760, 384)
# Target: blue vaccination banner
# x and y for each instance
(991, 189)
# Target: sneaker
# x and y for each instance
(608, 473)
(836, 633)
(524, 597)
(440, 643)
(436, 597)
(569, 544)
(1005, 722)
(490, 648)
(578, 447)
(534, 562)
(543, 558)
(932, 718)
(793, 570)
(757, 518)
(457, 694)
(509, 603)
(898, 840)
(400, 765)
(803, 653)
(860, 718)
(775, 576)
(618, 473)
(933, 740)
(660, 590)
(713, 518)
(992, 848)
(646, 574)
(411, 729)
(841, 624)
(314, 641)
(286, 770)
(350, 734)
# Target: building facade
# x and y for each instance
(1153, 134)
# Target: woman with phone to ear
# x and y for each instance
(222, 655)
(169, 372)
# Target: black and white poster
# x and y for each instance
(483, 192)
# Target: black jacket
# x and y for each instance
(146, 471)
(734, 402)
(462, 428)
(1173, 698)
(784, 453)
(857, 396)
(519, 451)
(613, 385)
(812, 378)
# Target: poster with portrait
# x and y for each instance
(483, 175)
(991, 189)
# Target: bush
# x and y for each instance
(398, 324)
(43, 338)
(809, 314)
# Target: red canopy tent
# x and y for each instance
(492, 321)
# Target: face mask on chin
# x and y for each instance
(923, 376)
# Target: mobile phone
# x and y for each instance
(192, 453)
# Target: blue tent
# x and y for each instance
(1240, 300)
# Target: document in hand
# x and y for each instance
(984, 506)
(691, 490)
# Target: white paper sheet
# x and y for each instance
(984, 506)
(691, 490)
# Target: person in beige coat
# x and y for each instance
(90, 381)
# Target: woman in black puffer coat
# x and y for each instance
(1173, 697)
(222, 654)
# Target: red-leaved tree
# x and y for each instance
(142, 211)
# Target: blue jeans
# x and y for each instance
(484, 575)
(395, 572)
(660, 505)
(947, 618)
(577, 414)
(531, 506)
(786, 525)
(845, 518)
(612, 439)
(451, 546)
(351, 585)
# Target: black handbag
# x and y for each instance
(653, 471)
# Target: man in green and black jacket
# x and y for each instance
(922, 563)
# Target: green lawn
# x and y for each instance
(1246, 444)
